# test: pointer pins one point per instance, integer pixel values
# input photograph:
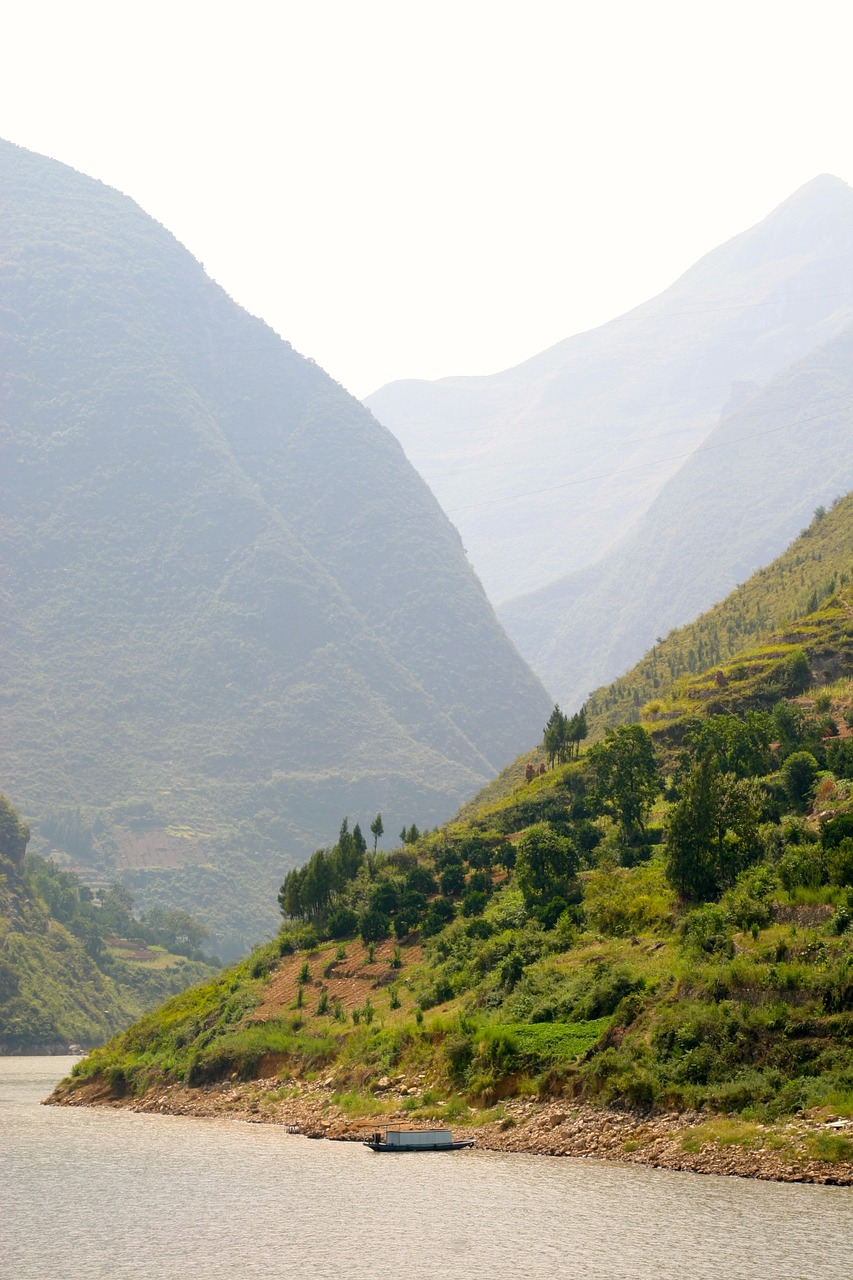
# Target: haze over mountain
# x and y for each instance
(733, 506)
(546, 466)
(232, 612)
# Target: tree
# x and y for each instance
(555, 737)
(452, 879)
(627, 778)
(577, 731)
(290, 895)
(545, 862)
(741, 745)
(712, 833)
(180, 932)
(377, 830)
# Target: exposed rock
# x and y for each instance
(778, 1153)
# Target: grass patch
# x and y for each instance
(355, 1103)
(830, 1147)
(547, 1044)
(723, 1131)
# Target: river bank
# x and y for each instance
(801, 1149)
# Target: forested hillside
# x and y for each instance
(660, 921)
(230, 607)
(771, 615)
(75, 967)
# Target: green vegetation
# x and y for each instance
(662, 921)
(75, 966)
(788, 624)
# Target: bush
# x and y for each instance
(799, 773)
(748, 903)
(802, 866)
(841, 862)
(708, 931)
(795, 673)
(342, 923)
(373, 926)
(474, 902)
(439, 913)
(839, 757)
(625, 902)
(836, 829)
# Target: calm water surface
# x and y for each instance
(100, 1194)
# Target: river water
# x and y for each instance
(106, 1194)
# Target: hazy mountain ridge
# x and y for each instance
(733, 506)
(545, 466)
(231, 606)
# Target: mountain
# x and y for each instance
(735, 504)
(660, 926)
(546, 466)
(75, 968)
(232, 613)
(799, 602)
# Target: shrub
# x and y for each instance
(841, 862)
(373, 926)
(748, 903)
(708, 930)
(836, 829)
(802, 866)
(474, 902)
(798, 775)
(795, 672)
(342, 923)
(624, 902)
(839, 757)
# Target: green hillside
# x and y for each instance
(766, 615)
(664, 923)
(75, 967)
(230, 608)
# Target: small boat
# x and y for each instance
(402, 1139)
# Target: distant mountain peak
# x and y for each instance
(230, 604)
(545, 466)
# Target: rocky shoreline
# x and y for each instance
(799, 1150)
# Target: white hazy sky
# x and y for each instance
(410, 189)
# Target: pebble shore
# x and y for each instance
(548, 1127)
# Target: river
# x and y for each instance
(109, 1194)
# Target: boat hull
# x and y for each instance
(436, 1146)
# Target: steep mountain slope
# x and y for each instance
(733, 506)
(544, 467)
(662, 925)
(231, 610)
(801, 601)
